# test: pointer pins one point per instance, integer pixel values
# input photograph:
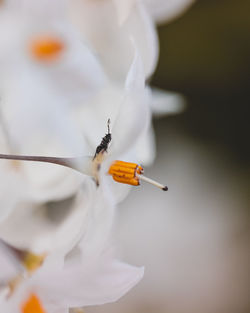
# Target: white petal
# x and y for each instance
(76, 73)
(55, 9)
(135, 80)
(142, 29)
(134, 115)
(166, 10)
(8, 264)
(94, 116)
(120, 191)
(145, 148)
(99, 25)
(100, 221)
(39, 123)
(52, 226)
(166, 102)
(12, 189)
(104, 281)
(124, 9)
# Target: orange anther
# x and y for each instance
(46, 48)
(32, 305)
(125, 172)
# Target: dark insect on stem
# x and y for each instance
(103, 146)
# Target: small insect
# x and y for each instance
(103, 146)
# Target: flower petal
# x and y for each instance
(99, 25)
(78, 74)
(104, 281)
(39, 123)
(49, 227)
(166, 102)
(134, 114)
(145, 148)
(9, 265)
(166, 10)
(75, 73)
(101, 281)
(12, 189)
(123, 9)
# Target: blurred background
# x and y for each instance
(194, 239)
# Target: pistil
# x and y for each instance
(131, 174)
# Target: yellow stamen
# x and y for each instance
(131, 174)
(46, 48)
(33, 261)
(125, 172)
(32, 305)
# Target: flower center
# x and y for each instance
(46, 48)
(32, 305)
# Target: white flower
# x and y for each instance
(56, 96)
(56, 286)
(47, 234)
(31, 224)
(45, 47)
(109, 26)
(37, 116)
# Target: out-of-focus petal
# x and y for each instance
(166, 102)
(126, 106)
(9, 265)
(75, 73)
(166, 10)
(103, 281)
(58, 288)
(145, 147)
(134, 114)
(99, 25)
(12, 189)
(93, 117)
(98, 228)
(49, 227)
(39, 123)
(120, 191)
(143, 31)
(123, 9)
(46, 8)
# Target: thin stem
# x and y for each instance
(55, 160)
